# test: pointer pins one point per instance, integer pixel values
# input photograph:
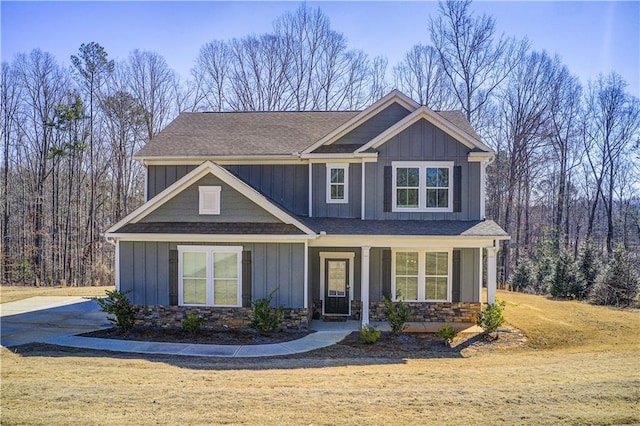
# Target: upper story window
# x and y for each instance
(422, 186)
(209, 202)
(337, 183)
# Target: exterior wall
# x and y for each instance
(469, 275)
(144, 270)
(374, 126)
(375, 274)
(173, 316)
(314, 272)
(234, 207)
(347, 210)
(434, 312)
(423, 142)
(285, 184)
(159, 177)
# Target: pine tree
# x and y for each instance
(564, 281)
(588, 267)
(619, 283)
(523, 278)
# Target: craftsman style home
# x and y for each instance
(331, 210)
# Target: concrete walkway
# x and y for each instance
(58, 319)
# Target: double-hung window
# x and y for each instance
(337, 183)
(209, 275)
(424, 186)
(422, 275)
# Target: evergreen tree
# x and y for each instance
(619, 283)
(523, 278)
(588, 267)
(564, 280)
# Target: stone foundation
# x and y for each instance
(432, 312)
(172, 316)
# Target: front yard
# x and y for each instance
(581, 366)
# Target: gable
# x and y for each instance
(234, 206)
(423, 141)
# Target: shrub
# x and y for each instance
(397, 314)
(369, 334)
(116, 303)
(564, 281)
(523, 277)
(491, 318)
(447, 333)
(192, 323)
(266, 319)
(619, 283)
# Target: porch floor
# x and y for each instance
(412, 327)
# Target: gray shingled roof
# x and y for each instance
(219, 228)
(197, 134)
(473, 228)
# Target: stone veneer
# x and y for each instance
(434, 312)
(172, 316)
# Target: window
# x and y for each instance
(209, 275)
(422, 275)
(209, 199)
(337, 183)
(422, 186)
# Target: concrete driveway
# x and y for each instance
(48, 318)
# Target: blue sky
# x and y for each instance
(591, 37)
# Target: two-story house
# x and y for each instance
(332, 209)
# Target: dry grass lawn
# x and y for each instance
(13, 293)
(582, 367)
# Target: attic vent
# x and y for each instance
(209, 199)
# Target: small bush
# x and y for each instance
(266, 319)
(192, 323)
(369, 334)
(397, 314)
(491, 318)
(447, 333)
(116, 303)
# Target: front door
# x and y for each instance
(336, 294)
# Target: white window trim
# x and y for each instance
(422, 185)
(209, 250)
(345, 167)
(422, 272)
(209, 191)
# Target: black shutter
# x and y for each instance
(246, 279)
(388, 187)
(386, 274)
(173, 277)
(457, 189)
(455, 279)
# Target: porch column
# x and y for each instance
(364, 285)
(491, 274)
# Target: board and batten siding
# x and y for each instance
(144, 270)
(160, 177)
(314, 269)
(423, 141)
(234, 207)
(344, 210)
(374, 126)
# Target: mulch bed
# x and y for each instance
(229, 336)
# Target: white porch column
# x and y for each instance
(364, 284)
(491, 274)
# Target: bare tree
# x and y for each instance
(474, 62)
(211, 76)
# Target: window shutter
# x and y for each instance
(455, 279)
(386, 274)
(457, 189)
(173, 277)
(246, 279)
(388, 187)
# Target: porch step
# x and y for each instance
(334, 318)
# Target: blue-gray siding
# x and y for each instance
(234, 206)
(314, 270)
(469, 275)
(374, 126)
(144, 270)
(323, 209)
(422, 141)
(159, 177)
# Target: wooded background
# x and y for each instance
(567, 164)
